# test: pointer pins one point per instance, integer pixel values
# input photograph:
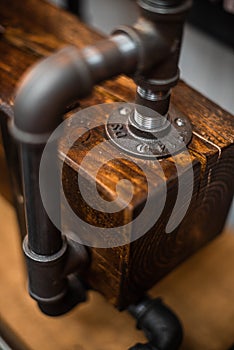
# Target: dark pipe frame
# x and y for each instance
(12, 159)
(159, 323)
(148, 51)
(168, 16)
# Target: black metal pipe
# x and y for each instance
(53, 280)
(12, 159)
(76, 7)
(159, 323)
(169, 17)
(39, 106)
(40, 102)
(70, 74)
(44, 237)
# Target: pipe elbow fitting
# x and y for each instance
(47, 88)
(53, 280)
(159, 323)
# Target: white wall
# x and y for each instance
(205, 64)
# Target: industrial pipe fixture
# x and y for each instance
(159, 323)
(149, 52)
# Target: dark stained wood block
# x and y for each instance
(128, 271)
(122, 274)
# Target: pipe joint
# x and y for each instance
(165, 10)
(159, 323)
(152, 45)
(150, 51)
(46, 90)
(48, 275)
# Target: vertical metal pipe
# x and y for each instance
(154, 86)
(13, 163)
(44, 237)
(39, 105)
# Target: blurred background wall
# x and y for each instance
(207, 58)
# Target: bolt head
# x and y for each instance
(180, 122)
(124, 111)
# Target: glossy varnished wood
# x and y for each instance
(122, 274)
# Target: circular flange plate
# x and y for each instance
(145, 144)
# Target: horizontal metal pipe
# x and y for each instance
(42, 98)
(56, 81)
(159, 323)
(39, 105)
(67, 75)
(70, 74)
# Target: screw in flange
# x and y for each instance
(144, 143)
(124, 111)
(180, 122)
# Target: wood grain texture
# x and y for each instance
(122, 274)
